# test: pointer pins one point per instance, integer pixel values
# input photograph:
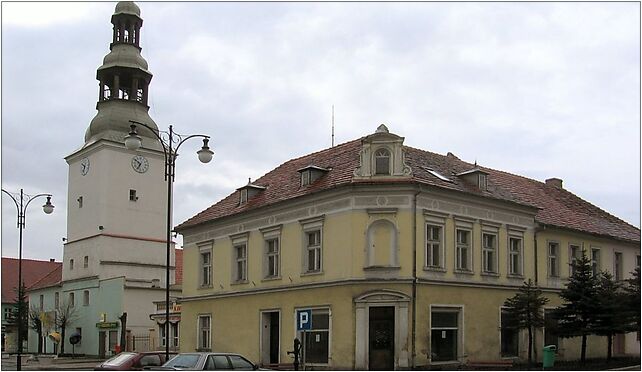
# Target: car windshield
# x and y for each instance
(119, 359)
(183, 361)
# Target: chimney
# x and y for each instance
(52, 260)
(555, 182)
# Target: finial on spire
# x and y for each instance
(382, 129)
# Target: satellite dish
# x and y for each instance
(75, 338)
(54, 336)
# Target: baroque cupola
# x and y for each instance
(124, 81)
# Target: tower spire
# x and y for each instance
(123, 79)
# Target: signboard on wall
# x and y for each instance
(304, 320)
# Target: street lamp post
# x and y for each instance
(133, 142)
(22, 208)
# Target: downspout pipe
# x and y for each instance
(413, 354)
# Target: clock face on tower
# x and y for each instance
(84, 166)
(140, 164)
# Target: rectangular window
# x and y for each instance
(575, 253)
(204, 332)
(161, 334)
(113, 341)
(515, 256)
(317, 339)
(595, 260)
(243, 196)
(550, 328)
(444, 334)
(509, 337)
(618, 266)
(489, 252)
(80, 202)
(85, 262)
(132, 195)
(72, 301)
(79, 333)
(41, 303)
(305, 178)
(272, 258)
(240, 253)
(463, 254)
(206, 268)
(56, 300)
(71, 264)
(85, 298)
(174, 330)
(553, 258)
(434, 246)
(313, 239)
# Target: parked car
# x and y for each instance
(133, 361)
(204, 361)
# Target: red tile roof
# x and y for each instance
(179, 266)
(557, 207)
(32, 272)
(49, 280)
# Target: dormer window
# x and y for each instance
(382, 162)
(248, 191)
(477, 177)
(311, 173)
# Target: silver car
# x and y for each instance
(204, 361)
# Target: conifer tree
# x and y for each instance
(612, 310)
(524, 311)
(576, 316)
(632, 301)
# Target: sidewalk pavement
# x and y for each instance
(49, 363)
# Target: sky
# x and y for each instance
(537, 89)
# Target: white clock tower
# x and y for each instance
(117, 198)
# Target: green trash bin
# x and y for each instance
(548, 360)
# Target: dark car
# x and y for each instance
(202, 361)
(133, 361)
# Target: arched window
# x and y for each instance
(382, 161)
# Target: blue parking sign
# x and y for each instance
(303, 320)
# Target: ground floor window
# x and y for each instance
(113, 341)
(550, 328)
(509, 337)
(317, 340)
(444, 334)
(174, 330)
(204, 330)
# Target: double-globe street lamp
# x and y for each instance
(167, 140)
(22, 201)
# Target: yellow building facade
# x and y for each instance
(403, 257)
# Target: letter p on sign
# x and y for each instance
(303, 320)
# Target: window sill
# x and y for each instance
(240, 282)
(515, 276)
(312, 273)
(270, 278)
(489, 274)
(205, 286)
(381, 268)
(203, 349)
(435, 268)
(465, 272)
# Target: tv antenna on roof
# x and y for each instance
(332, 125)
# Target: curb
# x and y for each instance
(633, 368)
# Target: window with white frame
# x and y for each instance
(515, 247)
(434, 246)
(317, 340)
(174, 329)
(85, 263)
(444, 334)
(595, 260)
(489, 252)
(312, 254)
(617, 266)
(161, 334)
(382, 161)
(509, 337)
(240, 256)
(205, 252)
(575, 254)
(72, 299)
(463, 254)
(204, 341)
(85, 298)
(272, 258)
(553, 259)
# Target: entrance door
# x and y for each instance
(270, 337)
(381, 338)
(618, 344)
(101, 344)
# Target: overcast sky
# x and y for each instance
(537, 89)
